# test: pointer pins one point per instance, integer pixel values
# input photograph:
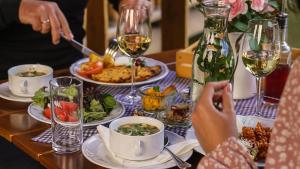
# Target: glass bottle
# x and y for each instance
(279, 76)
(213, 57)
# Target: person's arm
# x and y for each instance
(9, 12)
(217, 131)
(229, 154)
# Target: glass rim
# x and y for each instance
(262, 20)
(142, 90)
(144, 7)
(215, 5)
(52, 81)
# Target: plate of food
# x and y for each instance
(109, 72)
(98, 108)
(254, 133)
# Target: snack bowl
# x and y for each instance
(136, 147)
(156, 101)
(25, 86)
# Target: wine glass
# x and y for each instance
(134, 38)
(261, 51)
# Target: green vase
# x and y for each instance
(213, 57)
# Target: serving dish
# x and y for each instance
(149, 62)
(36, 112)
(26, 86)
(247, 121)
(136, 147)
(95, 151)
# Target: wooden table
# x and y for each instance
(18, 127)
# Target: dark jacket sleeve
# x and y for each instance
(115, 4)
(9, 12)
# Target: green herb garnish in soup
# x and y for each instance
(137, 129)
(30, 74)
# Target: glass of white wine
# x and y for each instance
(134, 38)
(261, 51)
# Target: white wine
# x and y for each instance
(261, 63)
(134, 44)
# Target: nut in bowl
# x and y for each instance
(156, 99)
(136, 138)
(25, 80)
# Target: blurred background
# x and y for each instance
(175, 23)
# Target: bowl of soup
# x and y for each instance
(136, 137)
(25, 80)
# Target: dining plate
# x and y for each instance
(36, 112)
(149, 62)
(6, 94)
(249, 121)
(94, 150)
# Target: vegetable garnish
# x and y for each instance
(41, 97)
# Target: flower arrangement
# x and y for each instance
(244, 10)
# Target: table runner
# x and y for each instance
(245, 107)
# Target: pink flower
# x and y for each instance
(268, 8)
(237, 7)
(258, 5)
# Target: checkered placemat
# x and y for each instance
(243, 107)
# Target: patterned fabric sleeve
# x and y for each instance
(230, 154)
(284, 149)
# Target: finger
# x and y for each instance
(55, 26)
(228, 106)
(45, 23)
(64, 25)
(212, 87)
(36, 25)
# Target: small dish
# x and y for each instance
(137, 147)
(6, 94)
(25, 80)
(156, 98)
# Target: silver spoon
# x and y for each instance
(180, 163)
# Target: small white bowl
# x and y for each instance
(27, 86)
(136, 147)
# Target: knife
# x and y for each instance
(80, 47)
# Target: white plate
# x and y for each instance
(149, 62)
(36, 112)
(249, 121)
(94, 150)
(5, 93)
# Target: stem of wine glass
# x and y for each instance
(132, 92)
(258, 95)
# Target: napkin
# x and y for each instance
(178, 149)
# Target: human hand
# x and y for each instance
(44, 17)
(212, 127)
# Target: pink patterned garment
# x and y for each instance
(284, 148)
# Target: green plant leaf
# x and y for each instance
(275, 5)
(253, 44)
(240, 26)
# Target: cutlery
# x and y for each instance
(79, 46)
(180, 163)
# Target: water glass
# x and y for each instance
(66, 99)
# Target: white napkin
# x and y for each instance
(178, 149)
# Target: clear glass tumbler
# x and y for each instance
(66, 98)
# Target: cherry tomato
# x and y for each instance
(90, 68)
(68, 107)
(47, 112)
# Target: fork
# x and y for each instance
(112, 48)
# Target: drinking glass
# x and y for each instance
(261, 51)
(134, 38)
(66, 99)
